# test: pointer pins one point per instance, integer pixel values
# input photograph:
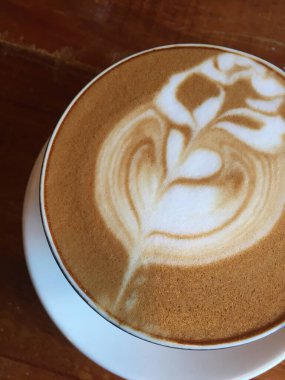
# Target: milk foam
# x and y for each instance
(186, 186)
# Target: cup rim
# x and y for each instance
(228, 343)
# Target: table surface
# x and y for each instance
(49, 49)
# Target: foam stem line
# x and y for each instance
(132, 266)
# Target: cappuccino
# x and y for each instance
(164, 194)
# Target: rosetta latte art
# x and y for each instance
(187, 185)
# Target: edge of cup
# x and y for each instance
(80, 292)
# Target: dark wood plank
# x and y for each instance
(15, 370)
(277, 373)
(34, 92)
(101, 32)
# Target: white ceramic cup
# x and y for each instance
(57, 257)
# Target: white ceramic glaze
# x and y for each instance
(57, 256)
(114, 349)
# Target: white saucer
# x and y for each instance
(117, 351)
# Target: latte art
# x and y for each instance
(164, 195)
(187, 186)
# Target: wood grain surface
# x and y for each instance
(49, 49)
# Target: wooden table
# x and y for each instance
(49, 49)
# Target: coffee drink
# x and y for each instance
(165, 190)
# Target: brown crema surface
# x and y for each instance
(176, 299)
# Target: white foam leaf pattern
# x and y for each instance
(176, 205)
(181, 197)
(174, 149)
(168, 102)
(267, 106)
(208, 110)
(269, 138)
(267, 86)
(226, 62)
(201, 163)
